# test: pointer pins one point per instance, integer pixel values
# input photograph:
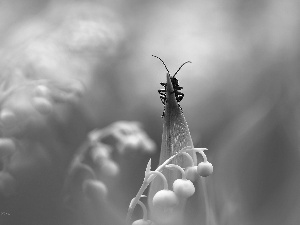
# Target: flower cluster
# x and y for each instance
(94, 163)
(166, 201)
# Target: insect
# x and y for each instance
(163, 92)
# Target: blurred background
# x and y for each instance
(241, 98)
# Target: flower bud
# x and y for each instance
(109, 168)
(165, 200)
(7, 147)
(183, 188)
(191, 173)
(8, 118)
(205, 169)
(94, 189)
(142, 222)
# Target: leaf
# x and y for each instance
(176, 134)
(148, 168)
(175, 137)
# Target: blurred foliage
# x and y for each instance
(241, 95)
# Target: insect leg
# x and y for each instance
(163, 99)
(162, 91)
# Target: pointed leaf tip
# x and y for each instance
(148, 168)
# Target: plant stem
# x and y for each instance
(207, 208)
(145, 215)
(179, 168)
(162, 177)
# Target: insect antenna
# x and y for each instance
(162, 62)
(181, 67)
